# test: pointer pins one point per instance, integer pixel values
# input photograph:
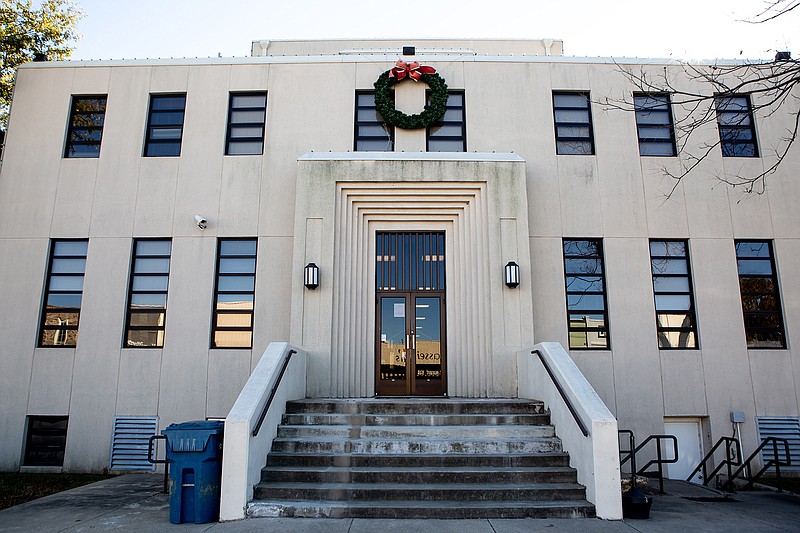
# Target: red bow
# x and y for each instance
(413, 70)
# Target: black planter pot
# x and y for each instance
(636, 504)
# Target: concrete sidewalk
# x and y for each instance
(134, 503)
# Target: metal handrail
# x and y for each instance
(564, 397)
(659, 460)
(273, 392)
(151, 458)
(732, 458)
(775, 461)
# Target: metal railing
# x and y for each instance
(261, 417)
(775, 461)
(151, 458)
(564, 396)
(732, 458)
(659, 461)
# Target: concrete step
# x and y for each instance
(503, 492)
(420, 509)
(414, 446)
(544, 459)
(416, 406)
(355, 419)
(420, 475)
(416, 432)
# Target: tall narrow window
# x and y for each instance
(85, 131)
(654, 124)
(64, 292)
(235, 294)
(573, 122)
(737, 133)
(672, 285)
(165, 125)
(46, 440)
(246, 117)
(147, 294)
(450, 133)
(372, 133)
(586, 294)
(761, 300)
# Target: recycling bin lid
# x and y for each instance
(203, 425)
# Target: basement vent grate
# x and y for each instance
(784, 427)
(130, 440)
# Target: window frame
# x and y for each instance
(230, 125)
(589, 124)
(216, 311)
(726, 145)
(43, 326)
(603, 332)
(691, 312)
(431, 135)
(148, 141)
(357, 123)
(69, 143)
(668, 124)
(773, 276)
(131, 292)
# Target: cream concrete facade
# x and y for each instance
(307, 199)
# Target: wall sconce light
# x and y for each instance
(512, 275)
(311, 276)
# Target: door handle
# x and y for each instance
(408, 341)
(414, 340)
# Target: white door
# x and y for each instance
(690, 448)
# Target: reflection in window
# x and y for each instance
(654, 124)
(46, 441)
(573, 122)
(675, 317)
(246, 117)
(587, 316)
(64, 292)
(761, 301)
(85, 126)
(372, 133)
(737, 132)
(234, 295)
(165, 125)
(450, 133)
(147, 294)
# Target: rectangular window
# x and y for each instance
(672, 285)
(450, 133)
(165, 125)
(246, 116)
(372, 133)
(761, 301)
(85, 130)
(46, 441)
(654, 124)
(586, 294)
(147, 294)
(63, 294)
(737, 133)
(573, 122)
(234, 294)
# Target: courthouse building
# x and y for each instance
(160, 218)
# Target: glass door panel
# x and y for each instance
(393, 339)
(428, 341)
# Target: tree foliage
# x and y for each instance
(26, 31)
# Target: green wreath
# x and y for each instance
(384, 102)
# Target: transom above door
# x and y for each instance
(410, 353)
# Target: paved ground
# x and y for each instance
(134, 503)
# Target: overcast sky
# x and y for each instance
(691, 29)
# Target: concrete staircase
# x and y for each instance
(418, 458)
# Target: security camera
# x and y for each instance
(202, 223)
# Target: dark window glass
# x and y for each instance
(234, 294)
(573, 123)
(586, 296)
(46, 441)
(761, 301)
(736, 129)
(654, 124)
(85, 131)
(246, 116)
(63, 293)
(674, 300)
(147, 294)
(450, 133)
(165, 125)
(372, 134)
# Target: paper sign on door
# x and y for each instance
(400, 310)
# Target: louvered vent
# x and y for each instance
(784, 427)
(130, 440)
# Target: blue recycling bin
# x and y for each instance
(194, 454)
